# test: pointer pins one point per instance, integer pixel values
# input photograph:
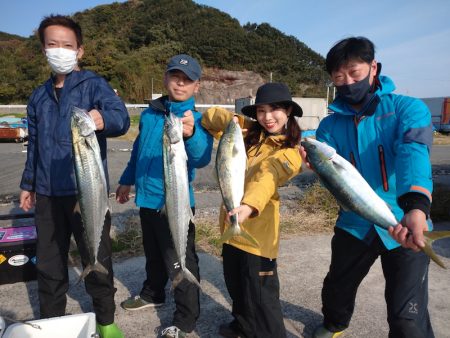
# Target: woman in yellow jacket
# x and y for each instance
(272, 150)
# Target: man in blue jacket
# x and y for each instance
(387, 137)
(145, 171)
(49, 179)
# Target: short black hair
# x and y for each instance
(60, 20)
(353, 48)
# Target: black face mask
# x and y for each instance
(356, 92)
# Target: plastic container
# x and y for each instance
(71, 326)
(17, 254)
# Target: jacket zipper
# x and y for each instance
(383, 168)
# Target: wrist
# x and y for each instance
(188, 137)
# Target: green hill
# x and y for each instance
(129, 44)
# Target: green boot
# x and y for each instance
(322, 332)
(109, 331)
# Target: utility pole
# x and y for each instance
(152, 90)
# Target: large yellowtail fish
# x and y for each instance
(353, 192)
(176, 183)
(231, 164)
(91, 184)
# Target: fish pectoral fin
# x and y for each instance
(343, 206)
(235, 150)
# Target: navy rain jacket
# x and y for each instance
(49, 169)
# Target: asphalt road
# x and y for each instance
(302, 265)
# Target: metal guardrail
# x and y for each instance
(133, 108)
(128, 105)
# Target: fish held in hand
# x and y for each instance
(176, 184)
(91, 184)
(231, 164)
(353, 193)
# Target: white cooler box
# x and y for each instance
(71, 326)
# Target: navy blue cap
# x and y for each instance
(187, 64)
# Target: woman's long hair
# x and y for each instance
(292, 132)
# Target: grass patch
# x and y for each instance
(207, 237)
(316, 212)
(441, 139)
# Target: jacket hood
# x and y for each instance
(163, 105)
(72, 80)
(386, 86)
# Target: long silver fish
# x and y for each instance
(176, 184)
(91, 183)
(353, 192)
(231, 164)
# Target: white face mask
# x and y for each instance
(61, 60)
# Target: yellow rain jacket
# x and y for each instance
(268, 166)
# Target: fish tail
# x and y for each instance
(185, 273)
(229, 233)
(88, 269)
(430, 237)
(236, 230)
(249, 238)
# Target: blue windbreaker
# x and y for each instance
(390, 146)
(49, 169)
(145, 168)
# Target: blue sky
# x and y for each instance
(412, 37)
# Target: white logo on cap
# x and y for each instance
(183, 62)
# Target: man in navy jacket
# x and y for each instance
(48, 181)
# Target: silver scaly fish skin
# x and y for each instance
(91, 183)
(176, 184)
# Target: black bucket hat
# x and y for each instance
(269, 93)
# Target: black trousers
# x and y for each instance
(162, 265)
(57, 218)
(253, 285)
(406, 291)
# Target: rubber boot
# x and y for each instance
(322, 332)
(109, 331)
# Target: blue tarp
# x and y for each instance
(309, 133)
(13, 122)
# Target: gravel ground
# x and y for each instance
(303, 263)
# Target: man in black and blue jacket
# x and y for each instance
(388, 138)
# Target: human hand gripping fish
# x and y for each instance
(353, 193)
